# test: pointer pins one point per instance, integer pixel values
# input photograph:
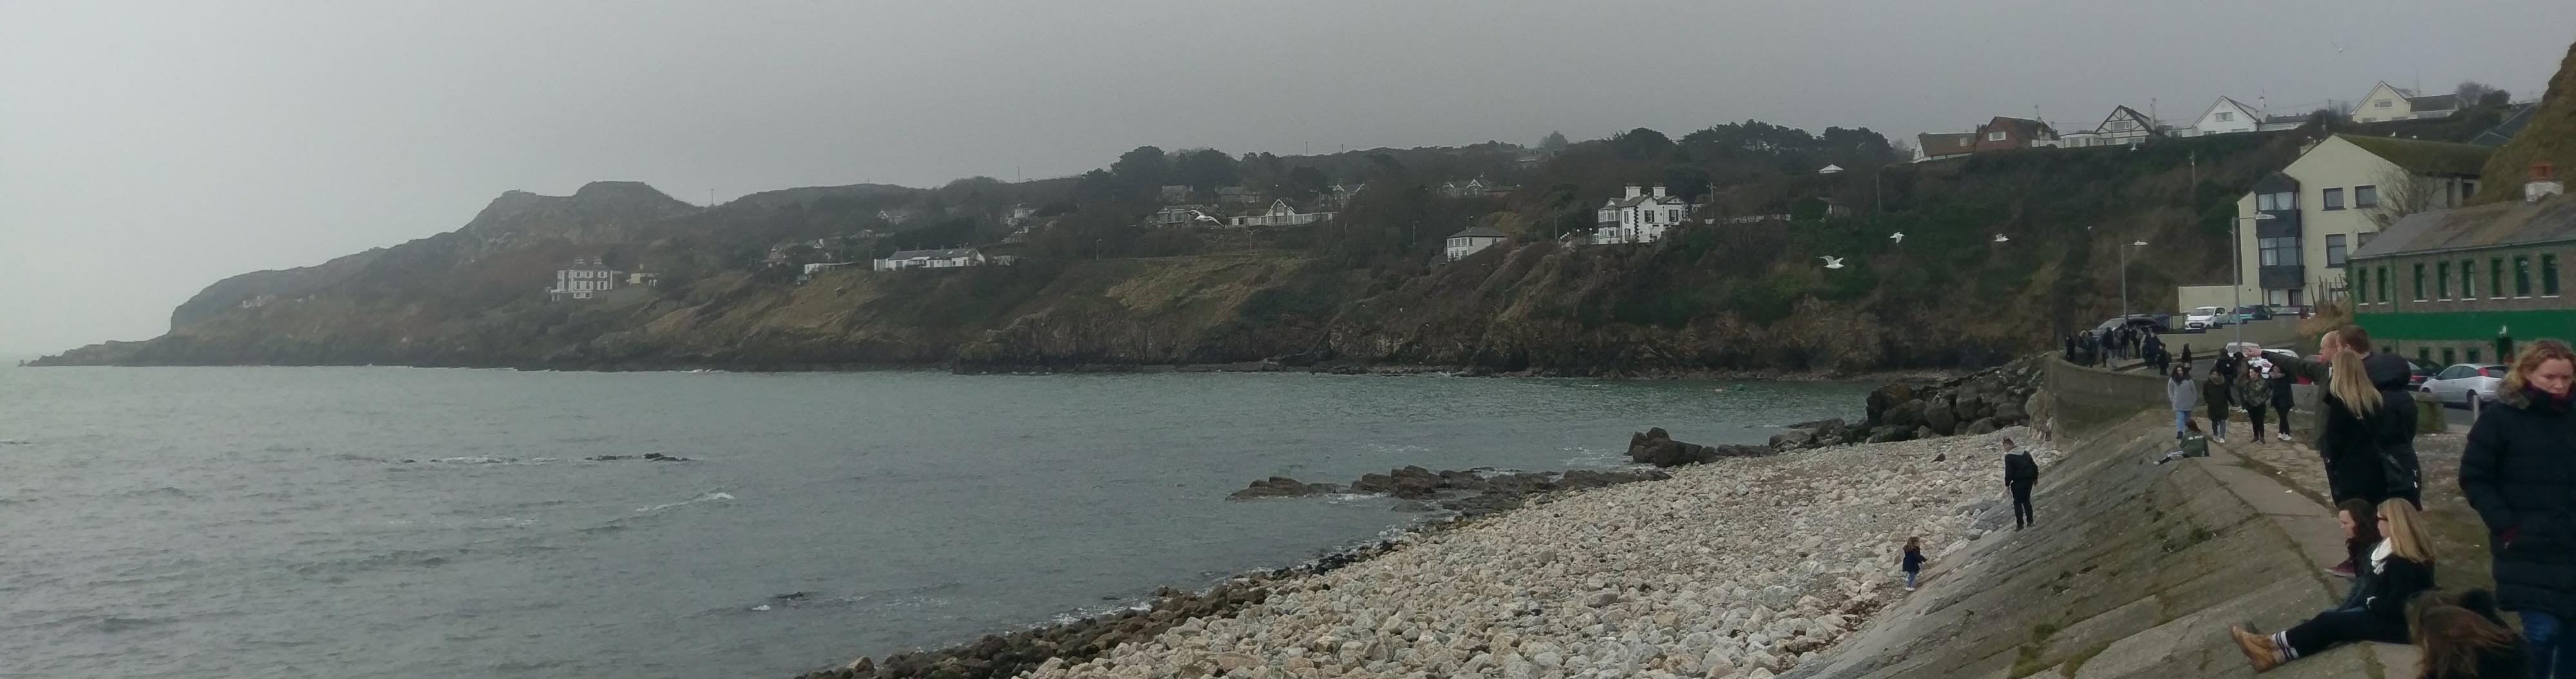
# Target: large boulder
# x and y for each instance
(1981, 426)
(1888, 432)
(1907, 414)
(1793, 439)
(1411, 483)
(1940, 419)
(1967, 405)
(1889, 396)
(1657, 447)
(2009, 413)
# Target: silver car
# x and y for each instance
(2464, 382)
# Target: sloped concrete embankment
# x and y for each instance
(2134, 570)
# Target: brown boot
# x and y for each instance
(2257, 647)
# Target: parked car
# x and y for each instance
(2253, 312)
(2204, 318)
(2464, 382)
(2418, 371)
(2150, 322)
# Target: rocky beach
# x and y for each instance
(1736, 567)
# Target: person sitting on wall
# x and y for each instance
(2400, 567)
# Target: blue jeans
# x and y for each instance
(2181, 417)
(2541, 631)
(1909, 579)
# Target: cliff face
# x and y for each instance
(1712, 297)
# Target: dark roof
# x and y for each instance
(2427, 157)
(2438, 102)
(1959, 142)
(2492, 225)
(1479, 232)
(2021, 127)
(2504, 131)
(2301, 118)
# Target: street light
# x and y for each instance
(2124, 280)
(2236, 257)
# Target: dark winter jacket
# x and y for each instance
(2387, 590)
(2214, 392)
(1913, 560)
(2519, 472)
(2019, 468)
(2372, 458)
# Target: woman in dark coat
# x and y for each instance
(2519, 471)
(2215, 393)
(2368, 439)
(2400, 567)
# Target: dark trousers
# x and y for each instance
(2254, 412)
(2335, 627)
(2021, 505)
(2281, 406)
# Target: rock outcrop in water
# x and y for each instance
(1980, 403)
(1470, 492)
(1657, 447)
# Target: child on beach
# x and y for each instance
(1913, 561)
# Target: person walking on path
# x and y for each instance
(2020, 474)
(2214, 391)
(1913, 561)
(2252, 393)
(2401, 566)
(2183, 394)
(2519, 472)
(2279, 384)
(2156, 354)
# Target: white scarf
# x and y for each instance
(2379, 555)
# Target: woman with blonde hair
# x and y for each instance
(2400, 567)
(2368, 432)
(2519, 472)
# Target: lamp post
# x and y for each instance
(2236, 256)
(2124, 280)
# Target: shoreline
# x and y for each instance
(1709, 374)
(1822, 591)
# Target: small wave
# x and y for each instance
(114, 624)
(702, 497)
(16, 442)
(401, 558)
(1351, 497)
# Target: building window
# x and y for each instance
(2365, 196)
(2468, 279)
(2224, 116)
(2473, 355)
(2276, 201)
(1994, 136)
(2495, 278)
(2441, 281)
(2419, 282)
(2450, 357)
(2334, 199)
(2522, 275)
(2382, 293)
(2361, 286)
(2383, 103)
(2423, 355)
(2334, 249)
(2283, 251)
(2549, 275)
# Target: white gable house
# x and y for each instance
(1638, 217)
(930, 259)
(1280, 214)
(2123, 127)
(1474, 238)
(2387, 102)
(587, 277)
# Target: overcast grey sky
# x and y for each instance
(149, 149)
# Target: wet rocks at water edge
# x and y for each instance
(654, 457)
(1738, 567)
(1981, 403)
(1469, 492)
(1657, 447)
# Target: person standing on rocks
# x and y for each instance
(2184, 395)
(2401, 566)
(2519, 472)
(2020, 474)
(1913, 562)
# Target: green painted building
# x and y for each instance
(2463, 285)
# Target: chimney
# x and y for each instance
(1633, 191)
(2543, 183)
(1659, 191)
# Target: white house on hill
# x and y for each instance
(2387, 102)
(1474, 238)
(585, 278)
(1280, 214)
(2229, 116)
(1638, 217)
(2123, 127)
(932, 259)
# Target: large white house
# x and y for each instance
(2387, 102)
(585, 278)
(2123, 127)
(1280, 214)
(2229, 116)
(1474, 238)
(2298, 225)
(1638, 217)
(932, 259)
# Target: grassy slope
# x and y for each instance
(2550, 136)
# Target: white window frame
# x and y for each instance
(1997, 135)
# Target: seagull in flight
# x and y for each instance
(1832, 262)
(2338, 46)
(1205, 218)
(1899, 237)
(2000, 238)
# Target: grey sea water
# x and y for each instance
(393, 522)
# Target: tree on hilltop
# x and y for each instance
(1146, 166)
(1554, 141)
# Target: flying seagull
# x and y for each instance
(1205, 218)
(2000, 238)
(1832, 262)
(1899, 237)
